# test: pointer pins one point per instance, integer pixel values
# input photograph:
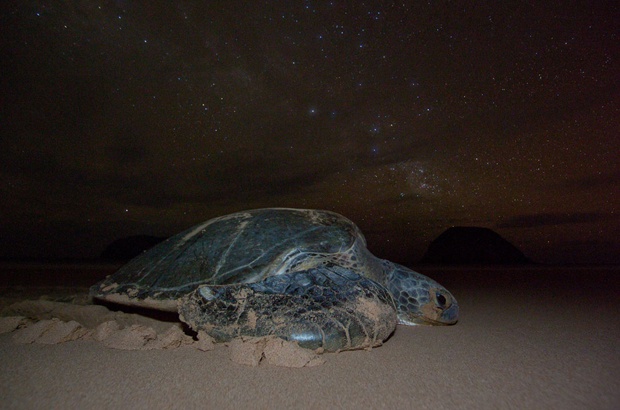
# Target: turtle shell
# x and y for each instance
(244, 247)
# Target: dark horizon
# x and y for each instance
(143, 118)
(105, 258)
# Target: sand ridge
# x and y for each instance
(50, 322)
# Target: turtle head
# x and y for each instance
(419, 299)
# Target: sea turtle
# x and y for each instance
(299, 274)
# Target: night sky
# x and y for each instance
(146, 117)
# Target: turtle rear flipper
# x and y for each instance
(327, 307)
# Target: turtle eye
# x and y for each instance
(441, 300)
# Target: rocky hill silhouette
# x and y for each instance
(473, 245)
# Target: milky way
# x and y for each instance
(124, 118)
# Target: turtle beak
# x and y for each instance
(451, 315)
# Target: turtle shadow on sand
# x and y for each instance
(155, 314)
(162, 317)
(300, 275)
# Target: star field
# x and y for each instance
(129, 118)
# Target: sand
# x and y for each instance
(527, 338)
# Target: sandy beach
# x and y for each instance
(527, 338)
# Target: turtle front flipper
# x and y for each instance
(327, 307)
